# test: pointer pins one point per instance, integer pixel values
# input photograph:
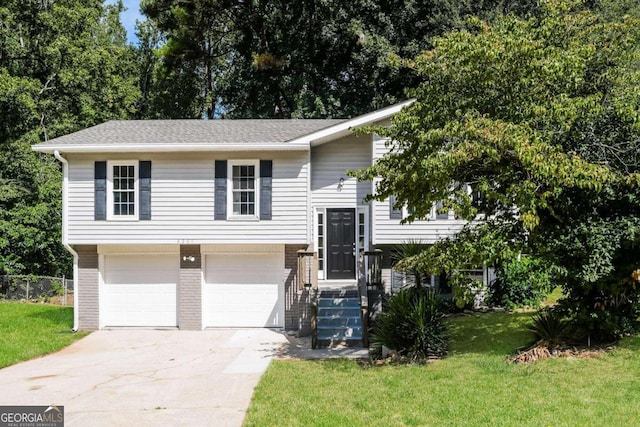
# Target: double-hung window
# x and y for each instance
(244, 189)
(122, 190)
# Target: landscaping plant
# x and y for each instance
(529, 130)
(519, 282)
(549, 328)
(413, 324)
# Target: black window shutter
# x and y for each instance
(394, 213)
(144, 175)
(100, 191)
(220, 189)
(266, 177)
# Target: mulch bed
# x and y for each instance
(542, 351)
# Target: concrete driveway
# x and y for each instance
(147, 377)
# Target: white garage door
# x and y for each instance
(244, 290)
(140, 290)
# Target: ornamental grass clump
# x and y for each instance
(413, 325)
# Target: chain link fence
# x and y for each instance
(52, 290)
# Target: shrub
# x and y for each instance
(412, 324)
(519, 282)
(602, 314)
(549, 327)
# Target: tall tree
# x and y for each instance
(531, 130)
(64, 65)
(308, 58)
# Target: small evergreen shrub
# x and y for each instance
(519, 282)
(413, 324)
(549, 327)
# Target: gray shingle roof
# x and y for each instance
(252, 131)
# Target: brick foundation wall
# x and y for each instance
(87, 287)
(190, 288)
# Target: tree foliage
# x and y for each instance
(64, 65)
(308, 58)
(530, 129)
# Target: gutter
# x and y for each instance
(65, 233)
(166, 148)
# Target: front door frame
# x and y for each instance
(361, 231)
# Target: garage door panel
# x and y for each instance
(247, 278)
(148, 277)
(243, 262)
(140, 290)
(137, 262)
(244, 290)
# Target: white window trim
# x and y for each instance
(230, 215)
(136, 190)
(434, 213)
(316, 240)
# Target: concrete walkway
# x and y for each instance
(147, 377)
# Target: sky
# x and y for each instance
(129, 16)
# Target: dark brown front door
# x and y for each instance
(341, 230)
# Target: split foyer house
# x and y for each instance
(195, 224)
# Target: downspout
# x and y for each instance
(65, 233)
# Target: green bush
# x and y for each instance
(519, 282)
(549, 326)
(412, 324)
(602, 314)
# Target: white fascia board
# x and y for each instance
(343, 129)
(168, 148)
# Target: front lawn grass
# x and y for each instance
(474, 386)
(31, 330)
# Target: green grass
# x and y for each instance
(474, 386)
(32, 330)
(553, 297)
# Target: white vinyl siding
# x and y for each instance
(330, 163)
(182, 202)
(390, 231)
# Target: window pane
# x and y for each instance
(320, 242)
(123, 193)
(320, 219)
(243, 179)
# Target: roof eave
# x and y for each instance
(167, 148)
(345, 128)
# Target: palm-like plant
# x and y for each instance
(405, 251)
